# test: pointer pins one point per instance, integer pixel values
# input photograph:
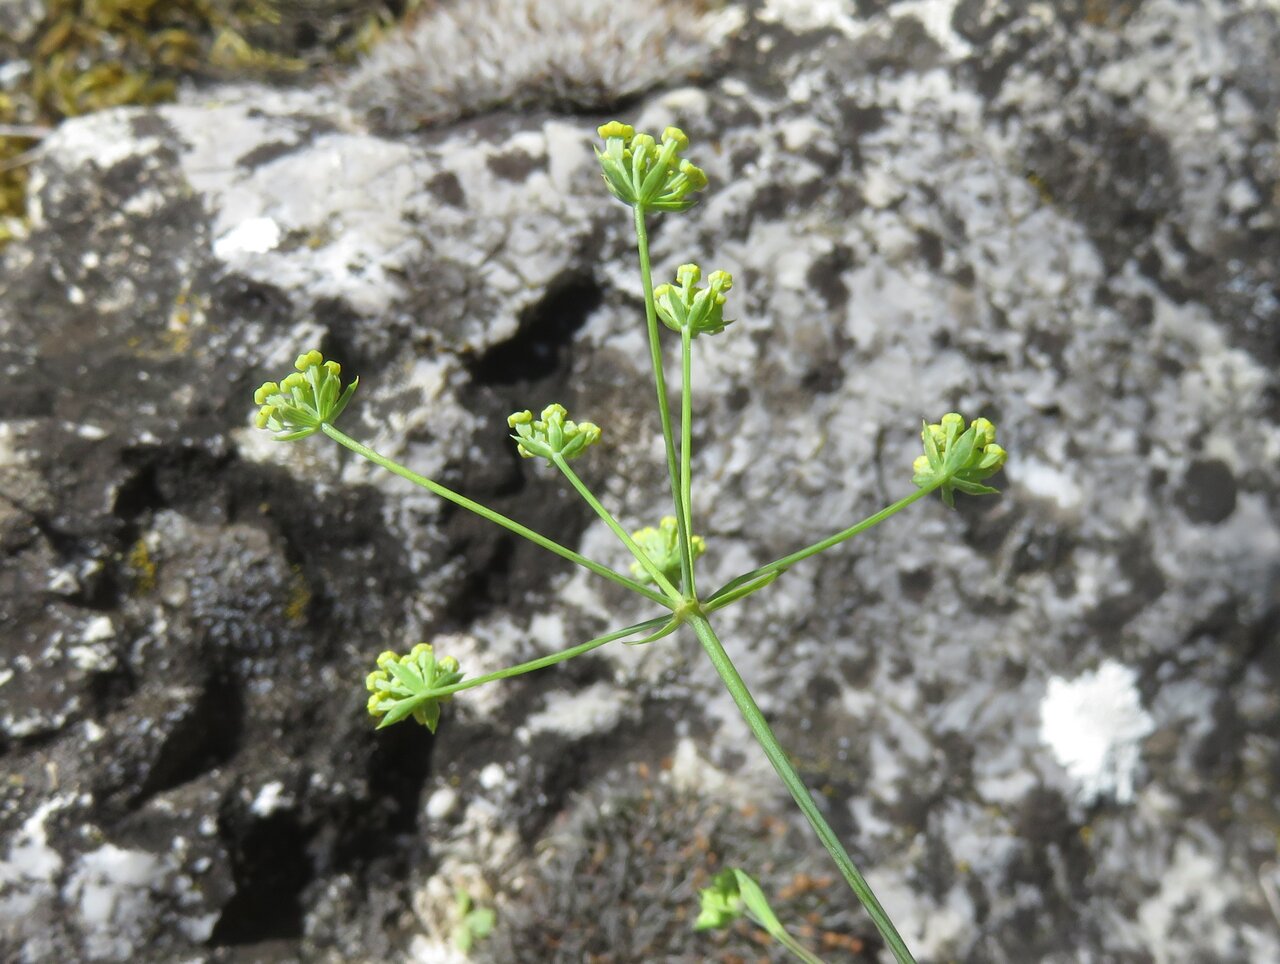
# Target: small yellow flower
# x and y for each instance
(304, 400)
(646, 174)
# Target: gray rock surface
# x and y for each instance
(1046, 725)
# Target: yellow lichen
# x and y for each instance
(143, 568)
(1041, 187)
(299, 603)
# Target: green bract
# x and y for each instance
(960, 457)
(662, 546)
(685, 305)
(305, 400)
(403, 685)
(645, 174)
(553, 434)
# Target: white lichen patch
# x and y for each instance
(113, 890)
(103, 139)
(936, 16)
(1095, 724)
(1038, 478)
(251, 236)
(594, 711)
(270, 798)
(28, 875)
(1194, 896)
(802, 15)
(98, 629)
(343, 197)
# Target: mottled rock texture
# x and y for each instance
(1062, 216)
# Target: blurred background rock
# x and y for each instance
(1046, 725)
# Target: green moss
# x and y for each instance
(88, 55)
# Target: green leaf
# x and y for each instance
(474, 923)
(407, 676)
(481, 921)
(400, 709)
(961, 451)
(974, 488)
(343, 399)
(428, 714)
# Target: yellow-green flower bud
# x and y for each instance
(986, 432)
(617, 129)
(685, 305)
(551, 435)
(642, 144)
(640, 173)
(695, 177)
(688, 275)
(662, 546)
(304, 399)
(956, 458)
(406, 686)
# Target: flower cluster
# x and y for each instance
(403, 685)
(684, 304)
(662, 546)
(305, 400)
(552, 434)
(645, 174)
(961, 457)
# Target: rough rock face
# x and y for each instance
(1046, 725)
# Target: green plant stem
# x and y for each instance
(779, 566)
(664, 405)
(798, 950)
(495, 517)
(799, 792)
(667, 624)
(686, 454)
(621, 533)
(731, 594)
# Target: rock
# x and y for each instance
(20, 20)
(1061, 218)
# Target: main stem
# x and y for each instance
(664, 404)
(799, 792)
(495, 517)
(686, 454)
